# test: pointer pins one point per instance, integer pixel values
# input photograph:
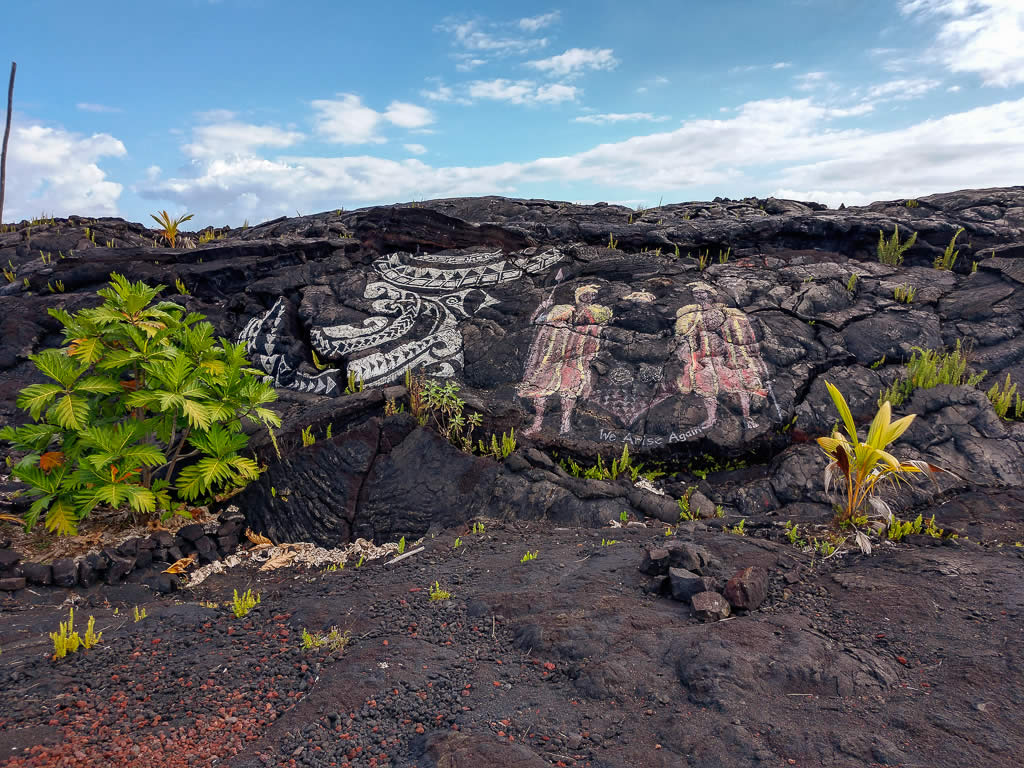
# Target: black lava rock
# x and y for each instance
(8, 559)
(39, 574)
(65, 572)
(207, 549)
(190, 532)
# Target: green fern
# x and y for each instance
(891, 252)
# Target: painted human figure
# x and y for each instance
(559, 361)
(719, 353)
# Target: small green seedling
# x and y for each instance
(360, 563)
(458, 543)
(739, 529)
(478, 527)
(66, 640)
(529, 556)
(139, 615)
(355, 384)
(608, 542)
(612, 242)
(623, 516)
(241, 605)
(401, 545)
(436, 593)
(792, 533)
(307, 436)
(334, 640)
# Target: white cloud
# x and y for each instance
(439, 93)
(502, 90)
(953, 89)
(810, 80)
(619, 117)
(903, 89)
(466, 62)
(87, 107)
(408, 115)
(782, 64)
(521, 91)
(348, 121)
(233, 137)
(656, 81)
(416, 149)
(855, 111)
(57, 172)
(556, 93)
(535, 23)
(215, 116)
(575, 60)
(983, 37)
(789, 147)
(470, 36)
(982, 147)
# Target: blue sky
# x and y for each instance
(253, 109)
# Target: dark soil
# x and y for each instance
(909, 657)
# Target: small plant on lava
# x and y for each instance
(67, 640)
(859, 466)
(242, 604)
(436, 593)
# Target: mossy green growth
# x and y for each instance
(241, 605)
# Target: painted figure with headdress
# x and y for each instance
(719, 352)
(559, 360)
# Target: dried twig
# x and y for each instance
(410, 553)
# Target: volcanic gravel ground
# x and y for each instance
(909, 657)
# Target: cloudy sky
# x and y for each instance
(253, 109)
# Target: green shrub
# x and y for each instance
(439, 404)
(891, 252)
(138, 389)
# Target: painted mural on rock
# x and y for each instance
(418, 302)
(714, 355)
(265, 342)
(720, 355)
(559, 361)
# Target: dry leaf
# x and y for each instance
(51, 459)
(258, 539)
(12, 519)
(278, 561)
(182, 565)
